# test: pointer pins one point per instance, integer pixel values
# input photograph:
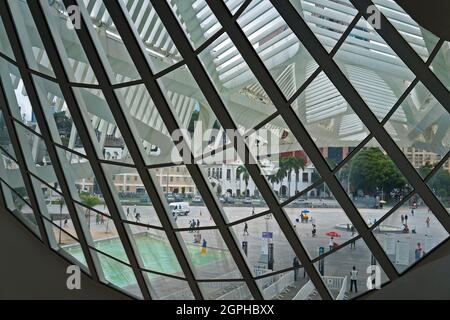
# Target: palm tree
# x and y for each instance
(298, 163)
(242, 170)
(286, 166)
(90, 201)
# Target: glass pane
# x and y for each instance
(155, 251)
(439, 183)
(234, 290)
(209, 256)
(119, 275)
(327, 19)
(420, 129)
(36, 155)
(59, 118)
(81, 180)
(118, 58)
(351, 271)
(420, 39)
(102, 125)
(373, 68)
(186, 207)
(421, 233)
(158, 43)
(281, 158)
(30, 39)
(157, 141)
(197, 20)
(5, 46)
(165, 288)
(5, 141)
(238, 194)
(103, 233)
(319, 221)
(264, 244)
(441, 64)
(57, 213)
(16, 95)
(328, 117)
(278, 47)
(20, 208)
(373, 182)
(130, 191)
(245, 99)
(11, 175)
(76, 62)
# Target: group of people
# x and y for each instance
(137, 215)
(193, 224)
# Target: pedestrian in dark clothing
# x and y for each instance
(403, 218)
(246, 229)
(406, 219)
(353, 279)
(296, 265)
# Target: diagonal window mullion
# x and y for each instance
(299, 131)
(404, 51)
(219, 109)
(103, 72)
(40, 117)
(118, 14)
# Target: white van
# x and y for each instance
(179, 208)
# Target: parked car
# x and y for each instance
(197, 200)
(179, 208)
(247, 201)
(256, 202)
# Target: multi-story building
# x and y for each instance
(419, 158)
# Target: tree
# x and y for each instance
(242, 170)
(90, 201)
(372, 170)
(439, 182)
(219, 190)
(298, 163)
(289, 164)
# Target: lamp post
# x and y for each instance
(61, 203)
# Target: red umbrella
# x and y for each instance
(333, 234)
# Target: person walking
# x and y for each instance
(138, 217)
(296, 265)
(65, 222)
(198, 225)
(314, 231)
(246, 229)
(253, 210)
(134, 209)
(204, 245)
(353, 244)
(403, 218)
(354, 279)
(428, 222)
(412, 211)
(418, 252)
(128, 211)
(406, 219)
(331, 243)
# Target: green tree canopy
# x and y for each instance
(372, 169)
